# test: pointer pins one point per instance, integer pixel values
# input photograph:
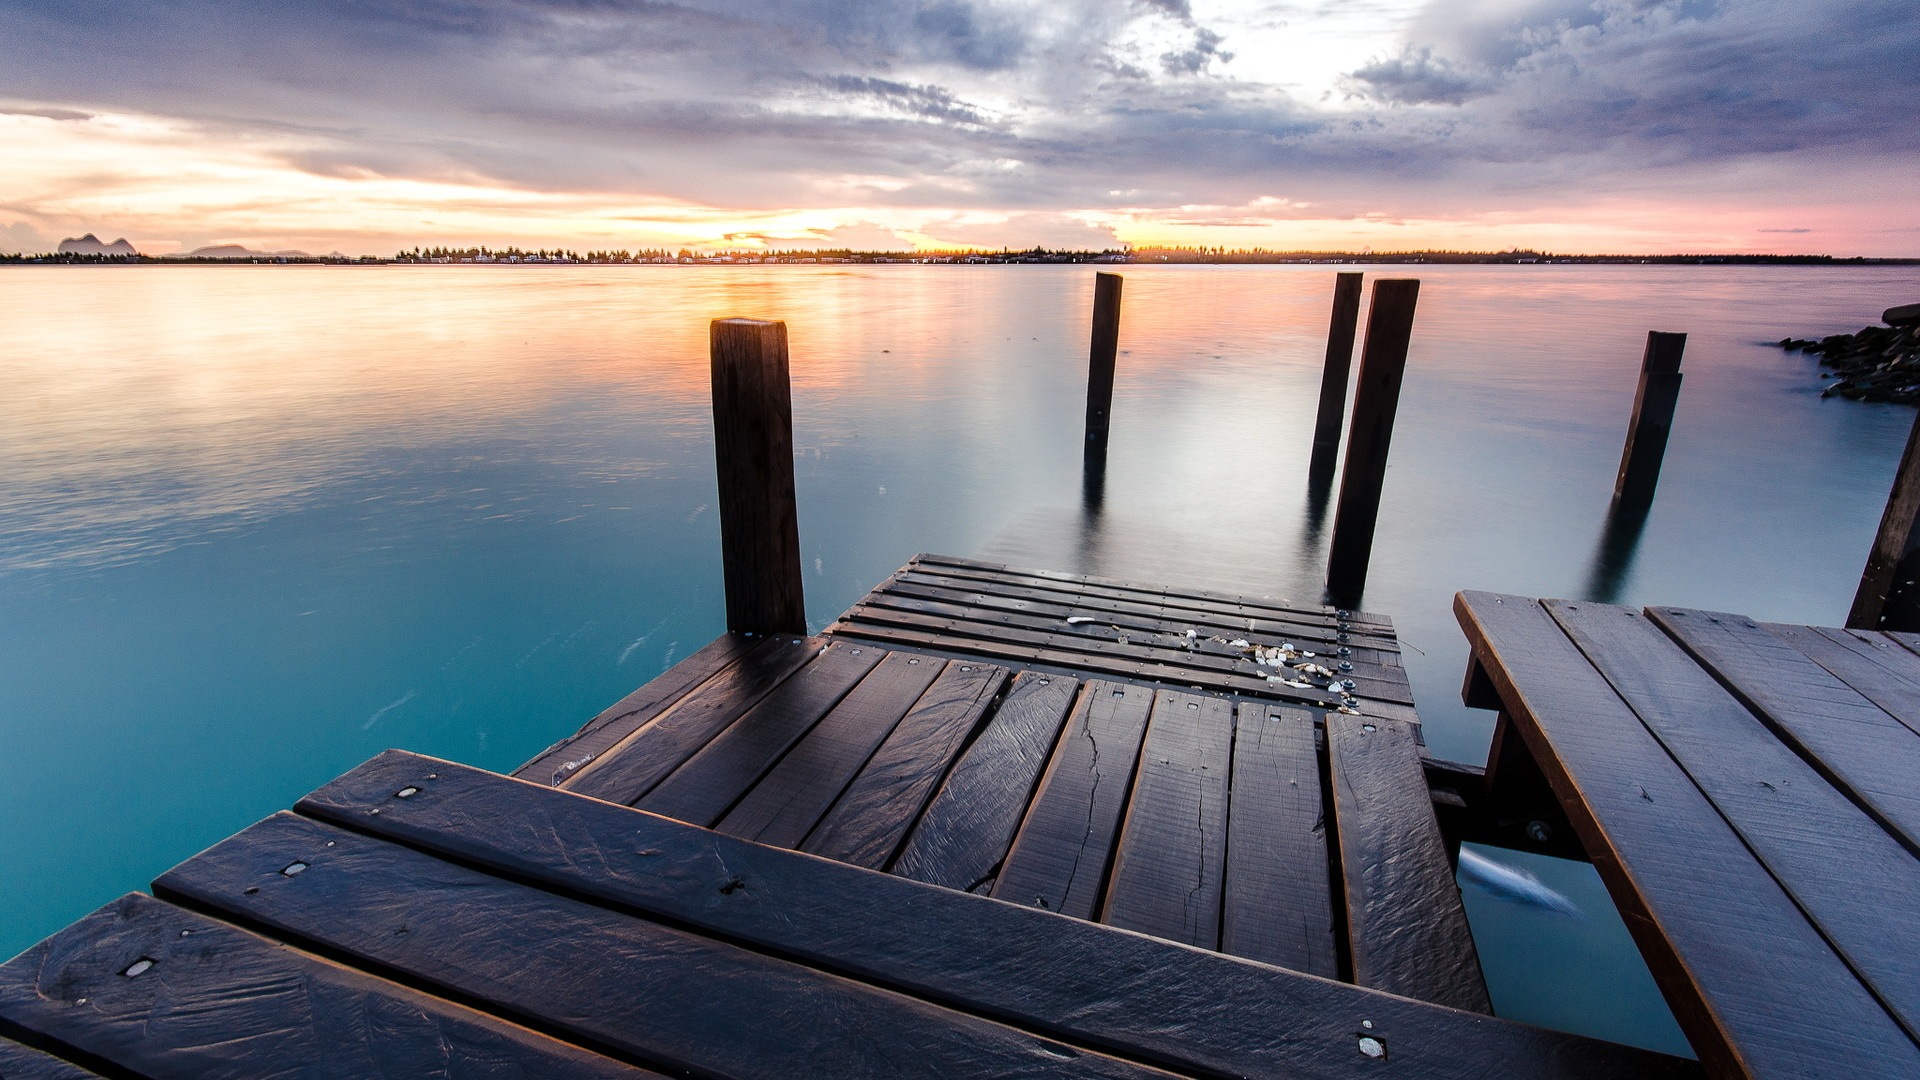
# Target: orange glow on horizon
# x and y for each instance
(168, 186)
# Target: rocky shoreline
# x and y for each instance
(1880, 363)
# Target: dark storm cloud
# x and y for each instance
(983, 102)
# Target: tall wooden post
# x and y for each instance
(1889, 598)
(1333, 381)
(1106, 344)
(1383, 360)
(753, 449)
(1653, 405)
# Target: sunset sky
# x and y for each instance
(369, 125)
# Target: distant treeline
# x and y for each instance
(1211, 255)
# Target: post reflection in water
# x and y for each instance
(304, 514)
(1613, 556)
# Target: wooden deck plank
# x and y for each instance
(1210, 599)
(1311, 632)
(932, 634)
(654, 992)
(786, 805)
(568, 756)
(964, 833)
(1059, 857)
(1406, 926)
(869, 821)
(1852, 741)
(1170, 859)
(1196, 1012)
(1277, 906)
(1370, 681)
(631, 768)
(1321, 627)
(1142, 624)
(19, 1062)
(1754, 986)
(1838, 864)
(219, 1003)
(1881, 671)
(703, 789)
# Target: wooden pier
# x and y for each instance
(968, 830)
(999, 821)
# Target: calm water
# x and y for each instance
(257, 524)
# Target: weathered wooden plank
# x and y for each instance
(1333, 377)
(1094, 590)
(568, 756)
(1406, 927)
(218, 1003)
(753, 457)
(966, 829)
(1105, 345)
(1277, 907)
(1882, 672)
(1170, 647)
(1754, 986)
(1193, 1011)
(1886, 598)
(1837, 864)
(630, 769)
(656, 993)
(19, 1062)
(701, 791)
(1173, 592)
(1899, 656)
(786, 805)
(1376, 397)
(1307, 627)
(1852, 741)
(937, 634)
(867, 824)
(1169, 862)
(1138, 620)
(1059, 858)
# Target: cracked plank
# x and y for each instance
(964, 833)
(1059, 857)
(1169, 864)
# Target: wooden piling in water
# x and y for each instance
(1333, 381)
(1653, 405)
(1888, 598)
(1383, 360)
(753, 450)
(1100, 360)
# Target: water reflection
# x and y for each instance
(298, 515)
(1613, 556)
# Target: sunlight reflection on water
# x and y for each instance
(257, 524)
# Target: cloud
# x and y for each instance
(1416, 77)
(1014, 111)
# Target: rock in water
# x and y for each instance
(1880, 363)
(1904, 315)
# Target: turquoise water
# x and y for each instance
(259, 523)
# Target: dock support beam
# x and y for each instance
(1333, 381)
(1383, 360)
(1888, 598)
(753, 449)
(1100, 358)
(1653, 405)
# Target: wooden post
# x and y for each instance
(753, 449)
(1653, 407)
(1333, 381)
(1888, 598)
(1382, 362)
(1106, 344)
